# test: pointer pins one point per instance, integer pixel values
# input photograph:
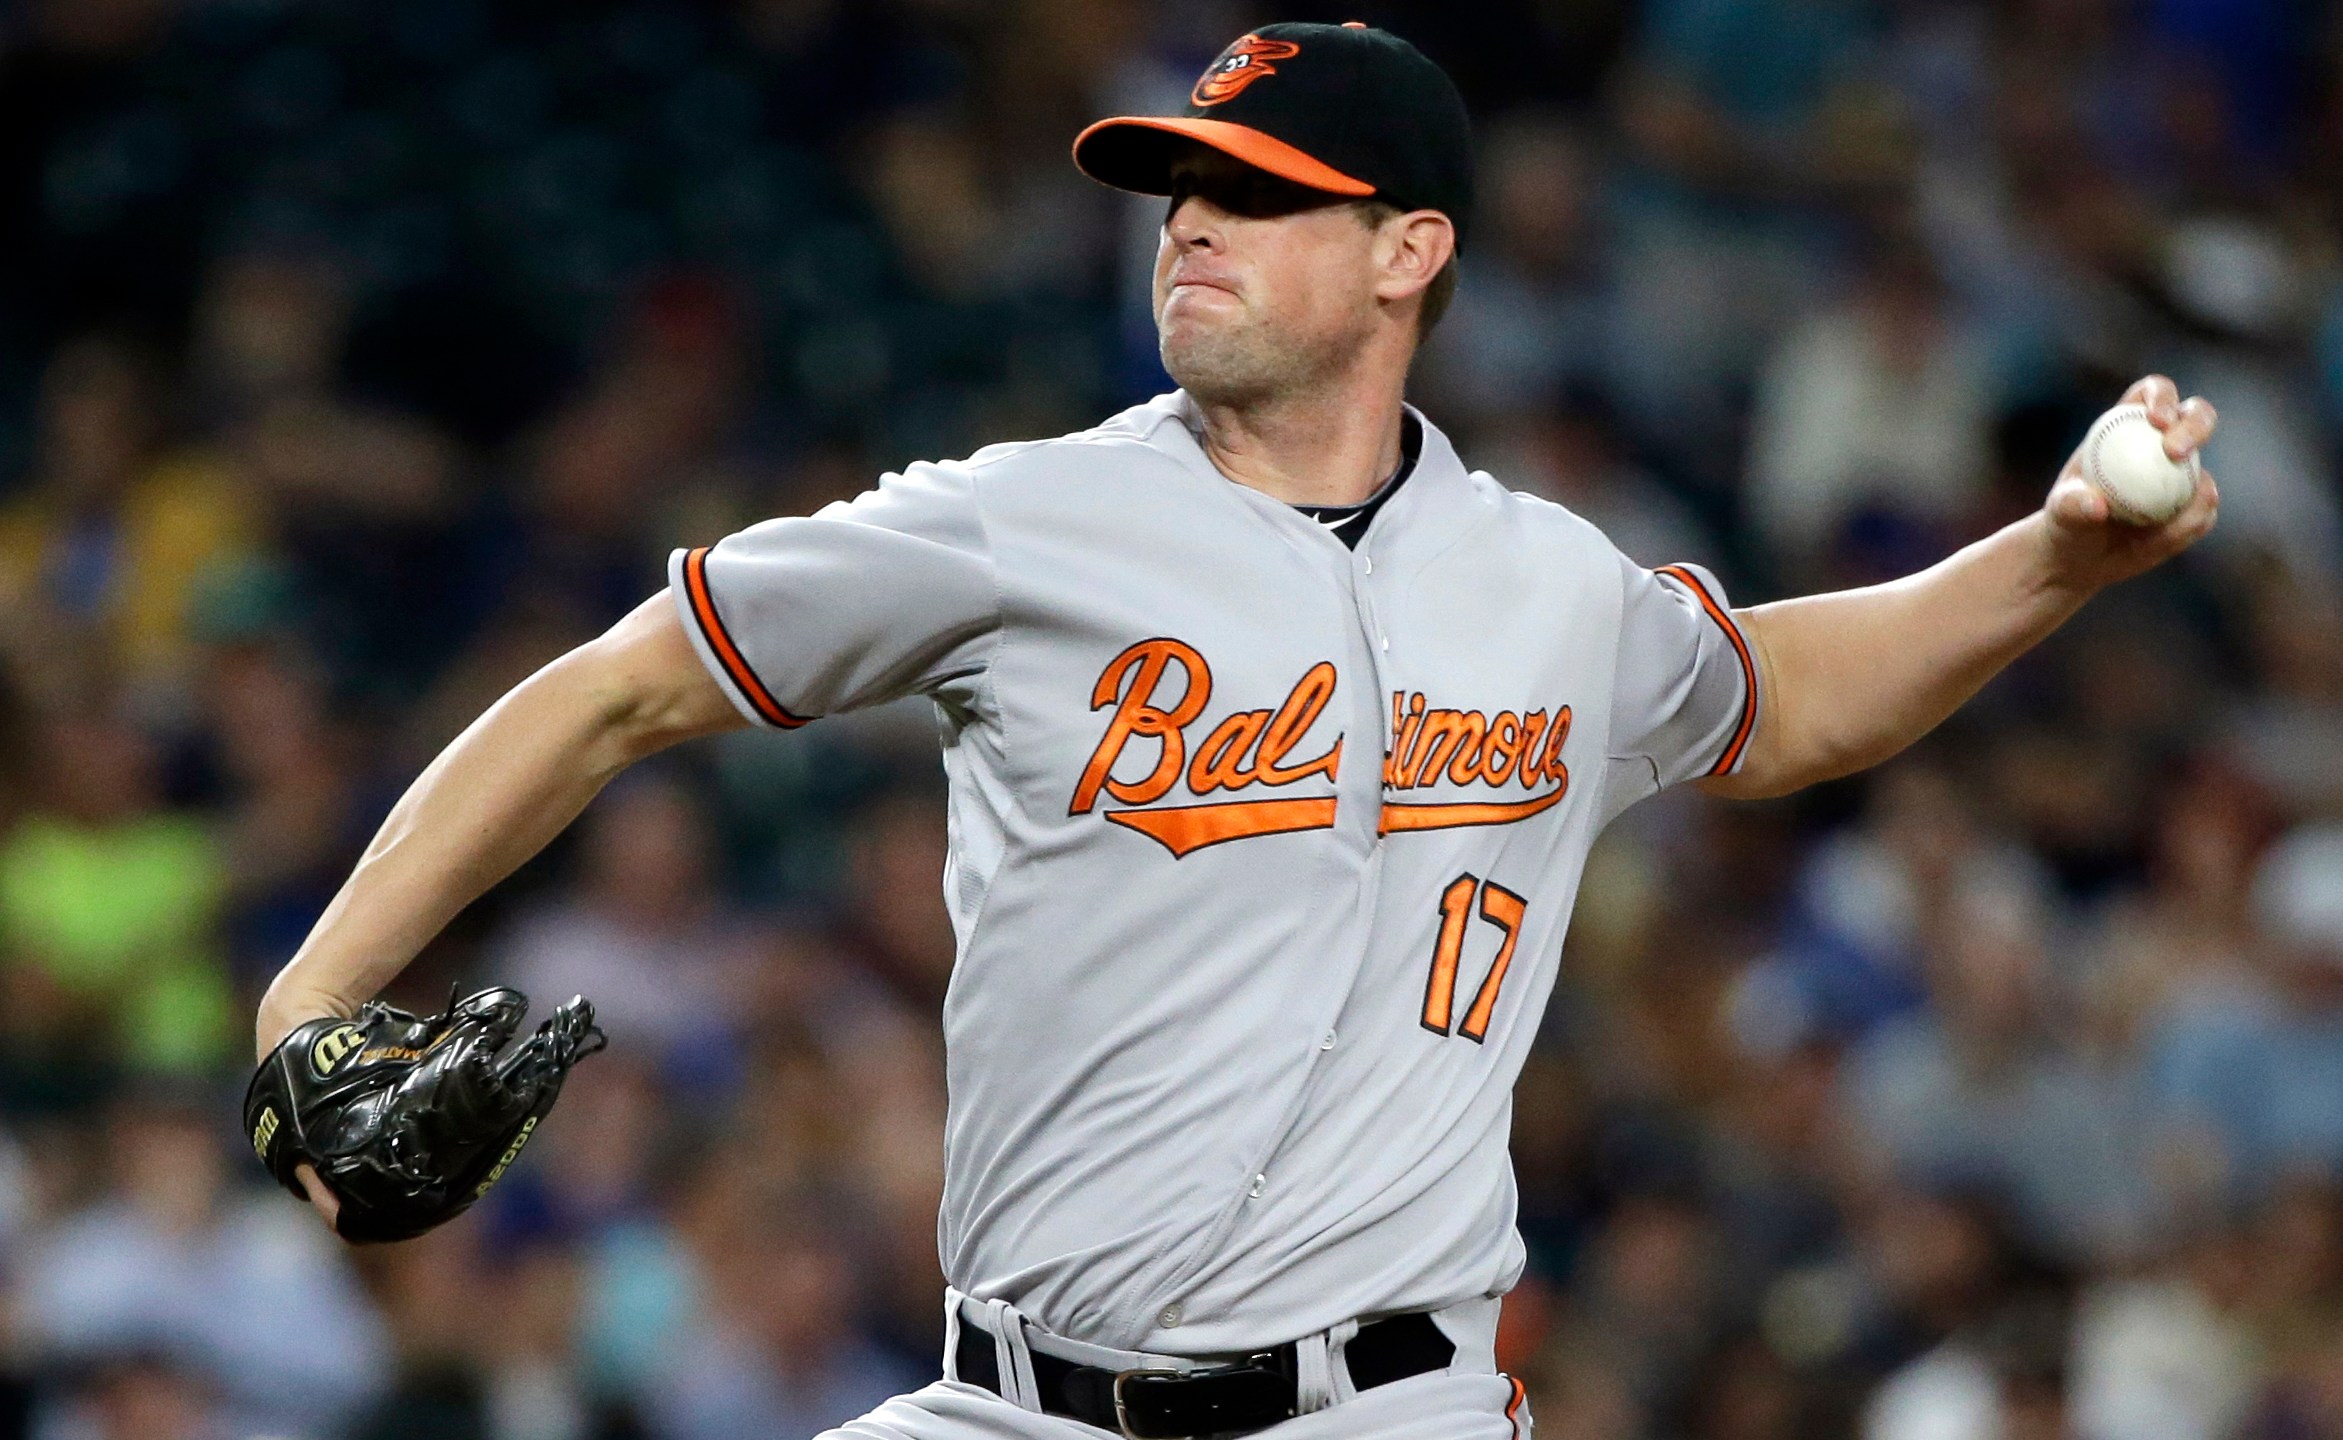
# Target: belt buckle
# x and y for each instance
(1122, 1412)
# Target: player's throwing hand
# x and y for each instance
(2092, 547)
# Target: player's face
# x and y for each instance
(1262, 286)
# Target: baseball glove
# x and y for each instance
(408, 1120)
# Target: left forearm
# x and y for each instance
(1847, 680)
(1850, 678)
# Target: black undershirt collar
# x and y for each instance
(1348, 522)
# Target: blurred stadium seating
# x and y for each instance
(357, 358)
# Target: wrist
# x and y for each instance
(281, 1014)
(2055, 575)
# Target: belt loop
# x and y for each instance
(1339, 1387)
(1322, 1376)
(1016, 1360)
(952, 1299)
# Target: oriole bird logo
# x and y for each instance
(1240, 65)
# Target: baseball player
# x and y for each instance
(1276, 739)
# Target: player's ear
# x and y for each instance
(1411, 248)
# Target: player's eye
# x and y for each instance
(1242, 190)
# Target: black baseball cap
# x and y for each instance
(1346, 109)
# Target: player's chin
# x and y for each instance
(1202, 346)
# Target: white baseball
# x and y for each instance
(2123, 455)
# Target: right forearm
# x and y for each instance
(493, 799)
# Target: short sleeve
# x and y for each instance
(889, 594)
(1684, 696)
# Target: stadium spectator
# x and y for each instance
(1985, 1089)
(1879, 407)
(107, 544)
(2253, 1071)
(643, 931)
(107, 906)
(171, 1259)
(772, 1349)
(1532, 313)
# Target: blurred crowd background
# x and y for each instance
(356, 358)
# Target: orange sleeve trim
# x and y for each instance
(1724, 619)
(695, 587)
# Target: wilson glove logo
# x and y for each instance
(333, 1047)
(504, 1161)
(264, 1132)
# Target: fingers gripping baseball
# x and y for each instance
(2097, 539)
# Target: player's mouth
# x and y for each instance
(1190, 279)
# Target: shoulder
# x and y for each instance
(1519, 511)
(1151, 430)
(1527, 508)
(1552, 529)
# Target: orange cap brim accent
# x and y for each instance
(1259, 150)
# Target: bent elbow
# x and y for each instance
(643, 686)
(1781, 764)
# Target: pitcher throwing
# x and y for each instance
(1277, 739)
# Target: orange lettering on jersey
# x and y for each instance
(1182, 829)
(1293, 720)
(1403, 730)
(1504, 748)
(1466, 768)
(1555, 738)
(1220, 760)
(1247, 748)
(1137, 716)
(1398, 817)
(1432, 745)
(1531, 770)
(1442, 734)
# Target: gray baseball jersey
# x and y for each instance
(1262, 848)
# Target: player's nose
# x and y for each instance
(1195, 222)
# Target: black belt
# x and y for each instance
(1234, 1399)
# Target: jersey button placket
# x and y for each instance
(1364, 564)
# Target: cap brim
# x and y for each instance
(1135, 152)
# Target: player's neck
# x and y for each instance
(1330, 447)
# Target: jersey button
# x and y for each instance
(1369, 562)
(1328, 1042)
(1171, 1317)
(1260, 1183)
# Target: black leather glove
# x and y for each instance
(407, 1120)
